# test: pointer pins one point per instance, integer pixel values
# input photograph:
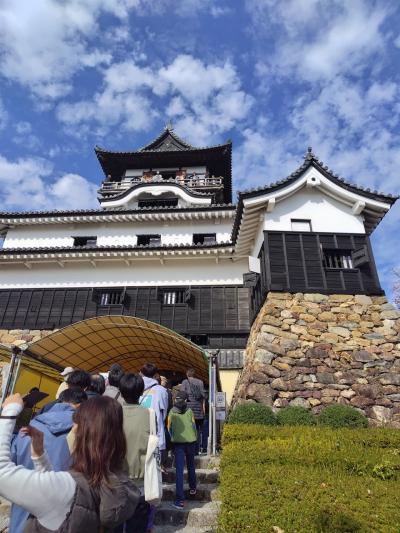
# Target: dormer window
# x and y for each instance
(300, 224)
(149, 240)
(87, 242)
(204, 238)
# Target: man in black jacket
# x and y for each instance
(194, 388)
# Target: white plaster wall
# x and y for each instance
(325, 213)
(114, 274)
(113, 234)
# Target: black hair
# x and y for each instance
(115, 375)
(149, 370)
(131, 387)
(191, 372)
(79, 378)
(73, 395)
(97, 384)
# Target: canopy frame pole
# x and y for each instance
(212, 434)
(14, 365)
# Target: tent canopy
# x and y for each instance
(31, 364)
(96, 343)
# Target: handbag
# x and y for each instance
(152, 467)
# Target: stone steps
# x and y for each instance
(195, 514)
(204, 476)
(205, 492)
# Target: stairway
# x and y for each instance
(199, 515)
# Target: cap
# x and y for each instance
(67, 371)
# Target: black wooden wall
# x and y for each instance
(294, 262)
(220, 312)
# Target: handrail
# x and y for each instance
(194, 181)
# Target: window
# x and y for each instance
(107, 297)
(149, 240)
(88, 242)
(176, 296)
(200, 340)
(2, 238)
(300, 225)
(338, 259)
(160, 202)
(204, 238)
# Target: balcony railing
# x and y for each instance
(194, 181)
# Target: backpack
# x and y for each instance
(95, 510)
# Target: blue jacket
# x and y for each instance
(55, 425)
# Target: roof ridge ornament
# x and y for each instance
(169, 126)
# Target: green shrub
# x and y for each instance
(295, 416)
(339, 416)
(252, 413)
(313, 479)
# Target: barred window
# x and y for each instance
(110, 297)
(338, 259)
(176, 296)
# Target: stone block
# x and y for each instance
(265, 337)
(272, 321)
(394, 397)
(301, 330)
(361, 402)
(381, 414)
(325, 377)
(274, 348)
(327, 316)
(393, 315)
(340, 298)
(282, 366)
(300, 402)
(347, 394)
(362, 299)
(329, 337)
(370, 391)
(298, 309)
(315, 298)
(314, 402)
(363, 356)
(278, 332)
(307, 317)
(260, 393)
(279, 384)
(341, 332)
(259, 377)
(264, 356)
(390, 378)
(269, 370)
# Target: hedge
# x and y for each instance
(252, 413)
(310, 479)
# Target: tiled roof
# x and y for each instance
(311, 159)
(96, 212)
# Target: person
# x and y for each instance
(55, 425)
(155, 397)
(94, 494)
(97, 386)
(63, 385)
(114, 377)
(194, 388)
(182, 429)
(137, 428)
(76, 378)
(165, 382)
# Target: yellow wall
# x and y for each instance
(228, 382)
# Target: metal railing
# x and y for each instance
(195, 181)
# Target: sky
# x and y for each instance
(275, 76)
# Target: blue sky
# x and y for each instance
(275, 76)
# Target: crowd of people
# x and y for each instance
(92, 459)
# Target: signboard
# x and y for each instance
(220, 400)
(220, 415)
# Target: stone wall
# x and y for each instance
(313, 350)
(19, 337)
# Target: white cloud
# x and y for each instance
(3, 116)
(203, 100)
(25, 185)
(317, 39)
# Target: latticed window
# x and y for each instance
(110, 297)
(176, 296)
(338, 259)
